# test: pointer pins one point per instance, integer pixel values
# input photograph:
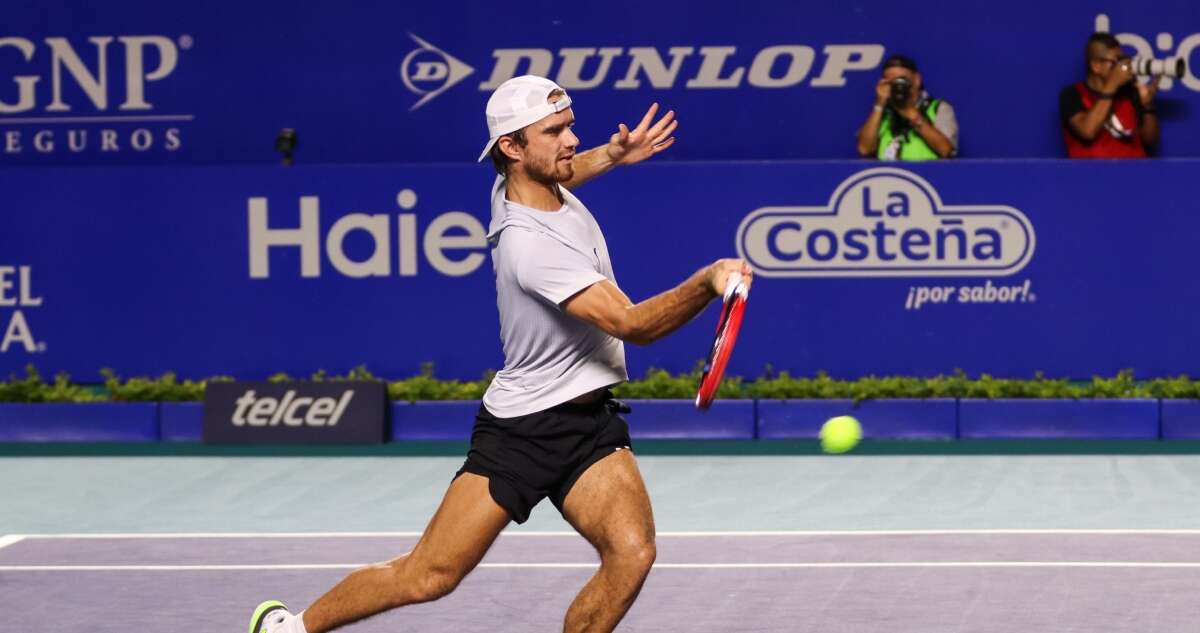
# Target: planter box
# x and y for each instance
(1180, 419)
(181, 421)
(669, 419)
(680, 419)
(651, 419)
(1070, 419)
(901, 418)
(433, 420)
(79, 422)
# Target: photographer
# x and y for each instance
(1109, 115)
(906, 123)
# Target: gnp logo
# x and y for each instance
(65, 94)
(429, 71)
(886, 222)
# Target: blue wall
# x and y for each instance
(1073, 268)
(363, 82)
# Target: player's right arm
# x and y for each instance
(604, 305)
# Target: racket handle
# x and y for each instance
(734, 284)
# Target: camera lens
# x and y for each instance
(1173, 67)
(901, 88)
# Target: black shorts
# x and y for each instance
(543, 454)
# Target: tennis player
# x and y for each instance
(548, 425)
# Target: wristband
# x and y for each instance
(1105, 95)
(1149, 111)
(878, 108)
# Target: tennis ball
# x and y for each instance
(840, 434)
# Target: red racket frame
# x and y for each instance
(727, 331)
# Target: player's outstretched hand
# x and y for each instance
(718, 274)
(650, 137)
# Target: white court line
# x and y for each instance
(713, 534)
(10, 539)
(863, 565)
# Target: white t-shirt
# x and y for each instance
(542, 258)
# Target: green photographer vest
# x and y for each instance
(912, 146)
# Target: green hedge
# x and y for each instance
(656, 384)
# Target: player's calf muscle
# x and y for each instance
(435, 585)
(412, 582)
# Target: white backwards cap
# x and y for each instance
(519, 102)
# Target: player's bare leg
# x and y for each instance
(610, 508)
(460, 533)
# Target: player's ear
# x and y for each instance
(509, 147)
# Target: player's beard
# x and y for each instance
(559, 169)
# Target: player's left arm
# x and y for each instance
(626, 147)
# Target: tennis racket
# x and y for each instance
(732, 310)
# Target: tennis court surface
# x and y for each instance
(784, 543)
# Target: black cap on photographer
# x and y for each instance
(902, 61)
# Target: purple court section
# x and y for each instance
(1071, 419)
(680, 419)
(799, 583)
(181, 421)
(79, 422)
(880, 419)
(704, 600)
(1181, 419)
(433, 420)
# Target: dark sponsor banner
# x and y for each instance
(294, 413)
(135, 82)
(1006, 267)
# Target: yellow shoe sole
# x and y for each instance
(260, 614)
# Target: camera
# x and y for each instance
(1172, 67)
(285, 144)
(901, 90)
